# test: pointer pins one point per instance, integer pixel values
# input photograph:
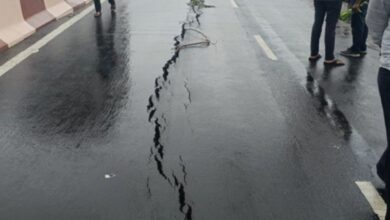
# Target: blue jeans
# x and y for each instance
(330, 10)
(359, 30)
(98, 6)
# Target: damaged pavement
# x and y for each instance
(171, 110)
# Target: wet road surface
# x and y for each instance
(108, 121)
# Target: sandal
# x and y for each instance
(315, 58)
(335, 62)
(98, 14)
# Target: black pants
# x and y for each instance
(98, 6)
(359, 30)
(383, 166)
(330, 9)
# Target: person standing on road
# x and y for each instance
(331, 10)
(378, 19)
(359, 29)
(98, 7)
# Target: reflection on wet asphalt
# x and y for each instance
(81, 99)
(63, 112)
(115, 120)
(354, 69)
(327, 107)
(106, 47)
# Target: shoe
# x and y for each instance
(350, 53)
(363, 52)
(98, 14)
(113, 8)
(334, 63)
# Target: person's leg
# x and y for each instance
(383, 166)
(332, 17)
(357, 26)
(384, 91)
(359, 33)
(112, 2)
(363, 45)
(387, 197)
(317, 27)
(98, 6)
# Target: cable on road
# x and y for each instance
(205, 42)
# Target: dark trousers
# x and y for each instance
(359, 30)
(330, 10)
(98, 6)
(383, 166)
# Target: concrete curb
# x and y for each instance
(20, 19)
(36, 14)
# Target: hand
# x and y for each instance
(356, 7)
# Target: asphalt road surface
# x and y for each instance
(108, 121)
